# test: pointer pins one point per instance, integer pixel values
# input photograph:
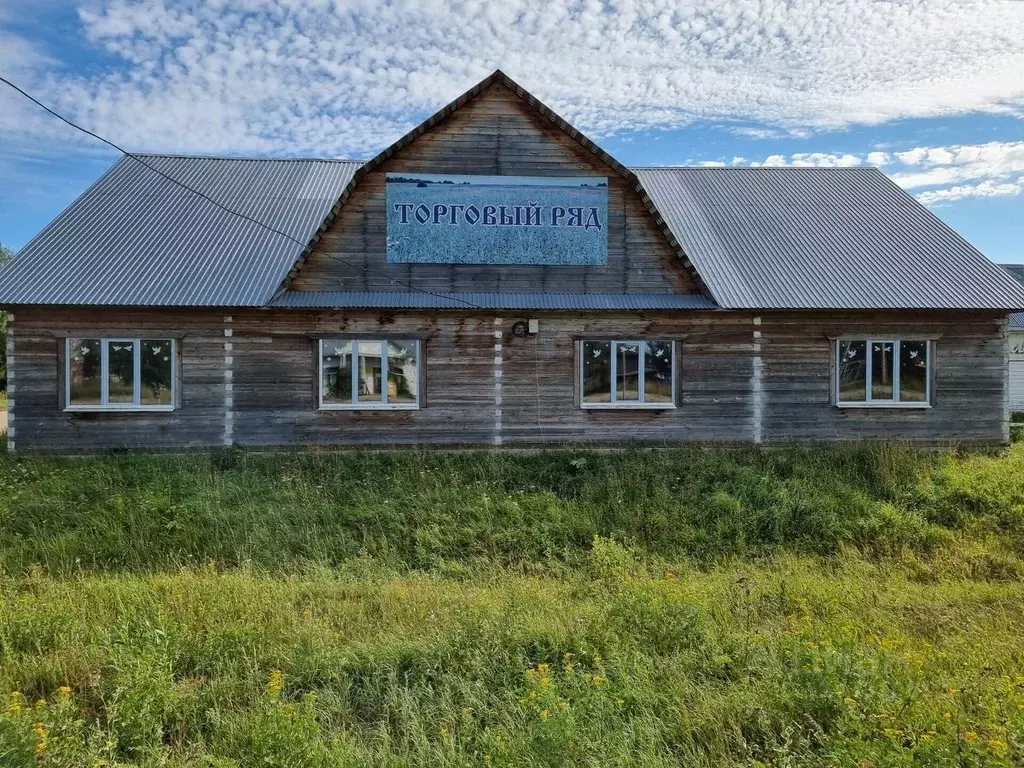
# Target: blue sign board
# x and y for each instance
(445, 219)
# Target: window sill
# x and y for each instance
(119, 409)
(627, 406)
(372, 407)
(898, 406)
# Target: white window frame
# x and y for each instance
(137, 405)
(894, 402)
(383, 405)
(614, 402)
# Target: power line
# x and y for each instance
(223, 207)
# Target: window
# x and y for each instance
(627, 374)
(369, 373)
(120, 374)
(883, 372)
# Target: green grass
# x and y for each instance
(855, 606)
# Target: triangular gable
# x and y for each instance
(439, 117)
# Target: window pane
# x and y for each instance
(120, 371)
(84, 371)
(913, 371)
(881, 370)
(658, 372)
(369, 371)
(336, 386)
(627, 384)
(853, 385)
(597, 371)
(156, 371)
(403, 367)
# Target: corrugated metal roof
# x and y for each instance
(552, 301)
(135, 238)
(779, 238)
(821, 238)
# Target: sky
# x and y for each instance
(931, 92)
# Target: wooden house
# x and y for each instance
(495, 278)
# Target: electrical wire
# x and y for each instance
(304, 246)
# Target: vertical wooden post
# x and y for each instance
(11, 383)
(498, 359)
(757, 386)
(229, 385)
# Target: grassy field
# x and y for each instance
(856, 606)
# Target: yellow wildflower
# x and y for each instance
(598, 681)
(40, 731)
(543, 668)
(64, 690)
(997, 745)
(276, 683)
(947, 715)
(970, 736)
(543, 714)
(444, 731)
(14, 705)
(620, 702)
(40, 703)
(545, 682)
(954, 691)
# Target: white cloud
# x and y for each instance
(934, 166)
(984, 189)
(935, 174)
(344, 78)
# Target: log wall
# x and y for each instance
(250, 379)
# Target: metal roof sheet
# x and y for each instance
(136, 238)
(552, 301)
(821, 238)
(760, 238)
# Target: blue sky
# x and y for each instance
(932, 93)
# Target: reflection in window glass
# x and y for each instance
(853, 371)
(403, 367)
(336, 386)
(913, 371)
(881, 370)
(627, 375)
(155, 371)
(597, 372)
(369, 371)
(658, 372)
(120, 371)
(84, 371)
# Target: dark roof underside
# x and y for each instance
(549, 301)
